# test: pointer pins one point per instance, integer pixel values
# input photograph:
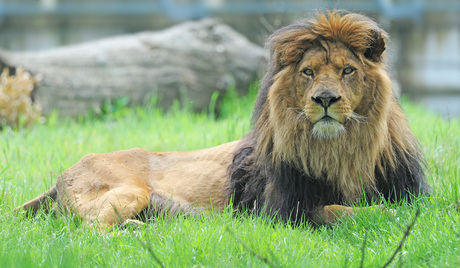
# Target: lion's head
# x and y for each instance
(329, 87)
(326, 112)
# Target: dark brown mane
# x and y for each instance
(289, 176)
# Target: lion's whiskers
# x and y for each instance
(356, 118)
(300, 113)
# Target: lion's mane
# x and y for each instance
(281, 167)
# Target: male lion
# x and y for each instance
(327, 132)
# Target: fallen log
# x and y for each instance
(188, 62)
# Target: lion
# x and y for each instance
(327, 133)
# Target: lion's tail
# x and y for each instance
(42, 201)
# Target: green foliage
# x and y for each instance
(236, 107)
(113, 108)
(31, 160)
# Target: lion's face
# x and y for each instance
(329, 85)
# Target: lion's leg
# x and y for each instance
(173, 205)
(132, 223)
(44, 201)
(330, 214)
(115, 206)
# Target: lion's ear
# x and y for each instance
(376, 46)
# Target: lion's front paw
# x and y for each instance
(135, 224)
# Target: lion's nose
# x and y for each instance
(325, 99)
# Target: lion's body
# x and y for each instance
(112, 187)
(327, 131)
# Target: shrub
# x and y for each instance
(16, 106)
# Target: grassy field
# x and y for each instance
(31, 159)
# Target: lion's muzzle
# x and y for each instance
(328, 124)
(326, 98)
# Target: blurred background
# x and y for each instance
(424, 47)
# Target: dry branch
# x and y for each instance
(403, 239)
(250, 250)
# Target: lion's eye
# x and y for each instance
(348, 70)
(308, 72)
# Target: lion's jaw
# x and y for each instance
(327, 128)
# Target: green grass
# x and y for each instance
(31, 159)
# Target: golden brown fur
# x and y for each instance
(106, 189)
(327, 131)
